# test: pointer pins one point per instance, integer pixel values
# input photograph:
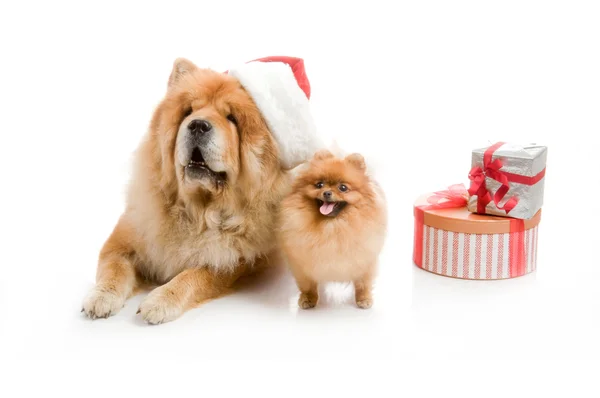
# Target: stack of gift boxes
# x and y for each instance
(490, 230)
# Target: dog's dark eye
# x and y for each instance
(319, 185)
(187, 112)
(343, 188)
(232, 119)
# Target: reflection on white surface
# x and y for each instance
(436, 292)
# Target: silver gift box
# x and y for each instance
(522, 160)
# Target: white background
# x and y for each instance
(414, 86)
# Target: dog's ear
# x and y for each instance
(323, 154)
(357, 160)
(181, 66)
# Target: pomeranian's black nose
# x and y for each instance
(327, 194)
(198, 127)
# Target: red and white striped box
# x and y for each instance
(451, 241)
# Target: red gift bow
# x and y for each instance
(491, 169)
(456, 196)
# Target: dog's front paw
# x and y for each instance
(364, 303)
(102, 303)
(307, 301)
(159, 307)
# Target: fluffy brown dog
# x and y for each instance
(332, 227)
(202, 203)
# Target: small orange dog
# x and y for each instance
(332, 227)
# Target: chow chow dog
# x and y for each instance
(201, 204)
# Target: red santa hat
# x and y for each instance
(281, 90)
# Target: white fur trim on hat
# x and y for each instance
(284, 107)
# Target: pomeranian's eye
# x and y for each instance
(232, 119)
(187, 112)
(319, 185)
(343, 188)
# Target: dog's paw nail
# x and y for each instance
(138, 311)
(83, 309)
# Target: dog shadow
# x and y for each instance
(273, 288)
(276, 288)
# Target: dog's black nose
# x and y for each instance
(327, 194)
(199, 126)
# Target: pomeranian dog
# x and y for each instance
(332, 227)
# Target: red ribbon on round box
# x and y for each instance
(451, 241)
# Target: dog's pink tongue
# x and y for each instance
(326, 208)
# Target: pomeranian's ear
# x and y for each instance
(323, 154)
(357, 160)
(181, 66)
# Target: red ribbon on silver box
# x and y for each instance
(492, 168)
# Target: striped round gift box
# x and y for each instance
(456, 243)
